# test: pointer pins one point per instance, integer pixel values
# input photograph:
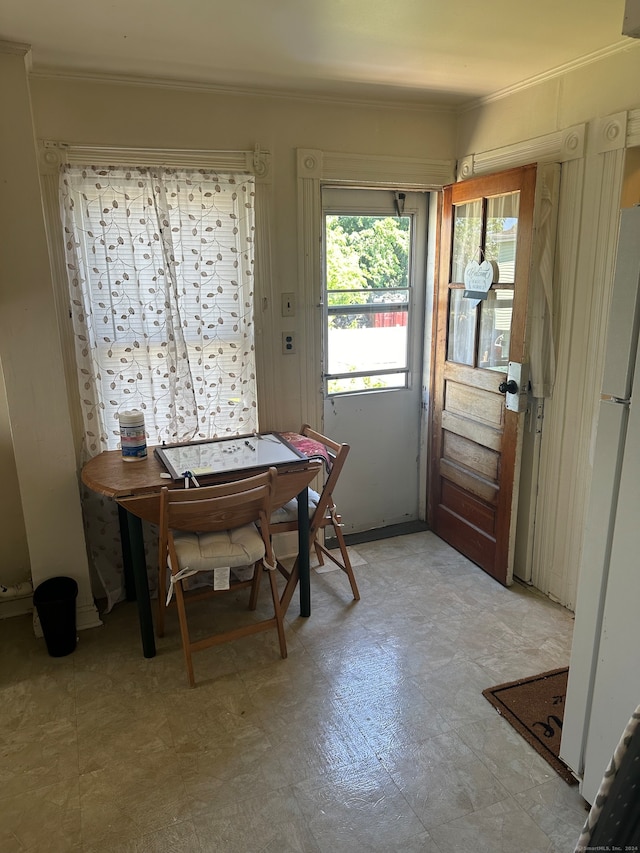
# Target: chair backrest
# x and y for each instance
(215, 508)
(338, 455)
(219, 507)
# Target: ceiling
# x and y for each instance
(444, 52)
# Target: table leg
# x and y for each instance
(135, 568)
(303, 553)
(127, 564)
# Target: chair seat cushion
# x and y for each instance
(289, 512)
(203, 551)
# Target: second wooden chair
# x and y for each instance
(322, 508)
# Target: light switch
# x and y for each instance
(288, 305)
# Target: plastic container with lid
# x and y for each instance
(133, 440)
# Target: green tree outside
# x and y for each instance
(366, 254)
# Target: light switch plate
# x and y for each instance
(288, 305)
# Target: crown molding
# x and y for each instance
(15, 47)
(51, 73)
(391, 102)
(624, 46)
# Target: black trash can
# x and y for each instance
(55, 601)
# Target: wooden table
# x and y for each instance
(135, 486)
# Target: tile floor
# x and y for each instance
(372, 736)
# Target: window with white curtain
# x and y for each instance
(160, 267)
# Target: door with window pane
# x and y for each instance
(374, 274)
(475, 440)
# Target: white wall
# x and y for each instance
(31, 358)
(107, 114)
(15, 566)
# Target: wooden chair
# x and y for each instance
(322, 509)
(214, 527)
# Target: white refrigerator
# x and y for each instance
(604, 673)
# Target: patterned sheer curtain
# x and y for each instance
(160, 269)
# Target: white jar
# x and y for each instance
(133, 440)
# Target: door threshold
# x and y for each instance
(381, 533)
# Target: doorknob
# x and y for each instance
(510, 387)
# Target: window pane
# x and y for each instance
(462, 328)
(467, 237)
(367, 342)
(367, 299)
(495, 329)
(366, 383)
(502, 234)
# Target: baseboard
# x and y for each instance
(381, 533)
(11, 607)
(286, 544)
(87, 616)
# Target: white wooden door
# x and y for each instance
(375, 335)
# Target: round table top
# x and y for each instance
(109, 474)
(136, 485)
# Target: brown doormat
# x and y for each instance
(535, 708)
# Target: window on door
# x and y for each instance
(480, 329)
(367, 302)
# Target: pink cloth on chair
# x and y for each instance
(310, 448)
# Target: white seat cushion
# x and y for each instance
(201, 552)
(289, 512)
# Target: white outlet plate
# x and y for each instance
(288, 343)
